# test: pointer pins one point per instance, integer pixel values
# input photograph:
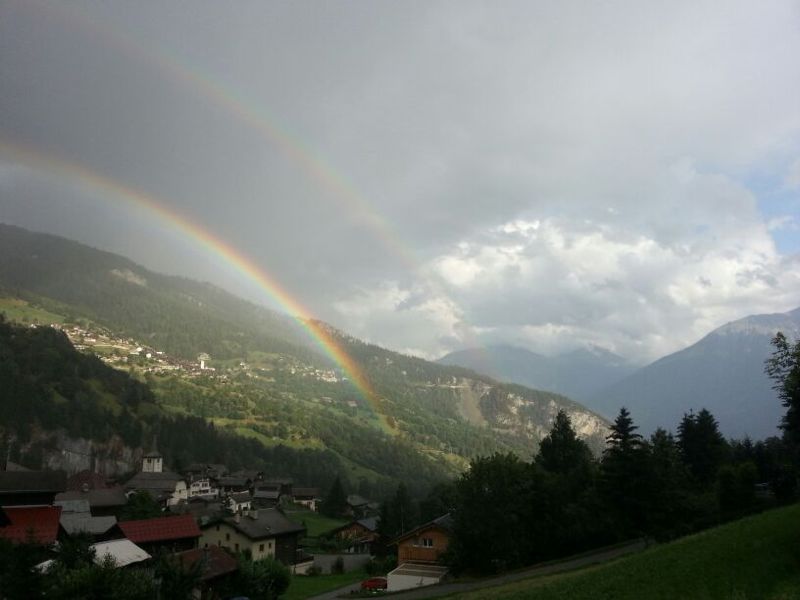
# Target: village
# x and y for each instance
(123, 352)
(208, 516)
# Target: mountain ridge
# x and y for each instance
(723, 372)
(575, 374)
(267, 382)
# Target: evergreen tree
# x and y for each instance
(668, 499)
(624, 477)
(335, 502)
(493, 513)
(403, 510)
(561, 451)
(440, 500)
(140, 505)
(702, 447)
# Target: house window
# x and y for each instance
(227, 537)
(270, 546)
(427, 542)
(237, 547)
(205, 545)
(261, 547)
(217, 527)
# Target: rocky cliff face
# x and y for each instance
(525, 412)
(57, 451)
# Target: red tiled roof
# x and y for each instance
(160, 529)
(217, 562)
(40, 522)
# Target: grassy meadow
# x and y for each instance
(755, 558)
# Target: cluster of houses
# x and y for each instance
(208, 515)
(120, 351)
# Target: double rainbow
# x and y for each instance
(209, 242)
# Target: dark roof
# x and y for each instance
(264, 523)
(306, 492)
(268, 485)
(160, 529)
(154, 454)
(164, 481)
(248, 474)
(37, 522)
(199, 510)
(355, 500)
(196, 468)
(240, 497)
(233, 481)
(445, 523)
(94, 481)
(267, 494)
(370, 524)
(99, 498)
(216, 562)
(32, 481)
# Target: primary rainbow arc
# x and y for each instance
(231, 256)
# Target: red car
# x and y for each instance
(375, 584)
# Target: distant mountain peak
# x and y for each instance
(763, 324)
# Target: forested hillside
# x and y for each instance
(46, 385)
(260, 378)
(181, 316)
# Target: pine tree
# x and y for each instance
(561, 451)
(625, 481)
(335, 502)
(702, 447)
(403, 510)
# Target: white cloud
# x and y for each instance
(542, 173)
(694, 257)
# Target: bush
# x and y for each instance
(380, 566)
(337, 568)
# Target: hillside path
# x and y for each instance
(434, 591)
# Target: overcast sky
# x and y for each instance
(428, 175)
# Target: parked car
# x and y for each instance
(374, 584)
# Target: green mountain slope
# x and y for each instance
(267, 384)
(752, 558)
(47, 386)
(180, 316)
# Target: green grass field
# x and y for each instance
(303, 586)
(756, 557)
(23, 312)
(316, 524)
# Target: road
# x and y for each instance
(456, 587)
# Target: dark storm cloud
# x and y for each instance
(429, 174)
